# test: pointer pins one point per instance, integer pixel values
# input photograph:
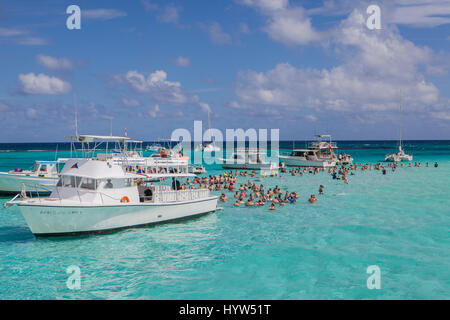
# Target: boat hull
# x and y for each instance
(59, 220)
(301, 162)
(12, 184)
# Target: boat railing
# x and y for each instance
(180, 195)
(322, 145)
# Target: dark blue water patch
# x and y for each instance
(16, 234)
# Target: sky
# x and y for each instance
(153, 66)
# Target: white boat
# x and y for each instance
(155, 147)
(319, 153)
(306, 158)
(163, 164)
(196, 169)
(40, 179)
(209, 146)
(95, 196)
(400, 155)
(249, 159)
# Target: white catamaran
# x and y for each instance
(400, 155)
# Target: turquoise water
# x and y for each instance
(399, 222)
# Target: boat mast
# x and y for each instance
(401, 120)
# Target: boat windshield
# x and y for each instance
(77, 182)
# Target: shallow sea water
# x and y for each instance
(399, 222)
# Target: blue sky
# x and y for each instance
(305, 67)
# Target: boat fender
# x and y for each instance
(125, 199)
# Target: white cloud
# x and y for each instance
(156, 85)
(131, 102)
(149, 6)
(420, 13)
(312, 117)
(166, 14)
(12, 32)
(102, 14)
(31, 41)
(285, 23)
(54, 63)
(43, 84)
(291, 27)
(374, 71)
(441, 115)
(22, 37)
(154, 112)
(244, 28)
(414, 13)
(268, 5)
(170, 14)
(31, 113)
(183, 61)
(216, 34)
(158, 88)
(205, 107)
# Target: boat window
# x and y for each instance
(115, 183)
(69, 182)
(88, 183)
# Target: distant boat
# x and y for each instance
(400, 155)
(249, 159)
(155, 147)
(40, 179)
(208, 146)
(318, 154)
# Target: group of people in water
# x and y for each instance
(250, 194)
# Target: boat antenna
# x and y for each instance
(76, 114)
(110, 126)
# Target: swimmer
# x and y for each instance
(312, 199)
(321, 189)
(272, 206)
(237, 203)
(223, 198)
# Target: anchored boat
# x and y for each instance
(40, 179)
(249, 159)
(94, 196)
(400, 155)
(319, 153)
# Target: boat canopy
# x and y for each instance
(93, 169)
